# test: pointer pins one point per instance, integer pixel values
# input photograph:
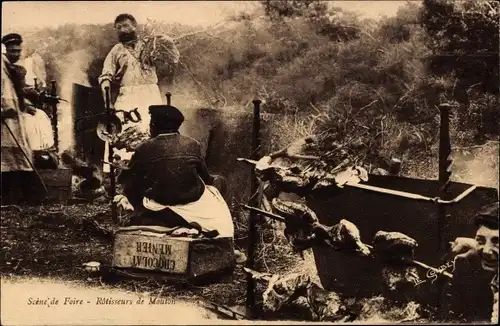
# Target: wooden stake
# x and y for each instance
(109, 128)
(252, 227)
(54, 116)
(444, 178)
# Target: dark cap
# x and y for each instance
(166, 113)
(12, 38)
(488, 216)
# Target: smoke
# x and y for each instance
(73, 69)
(478, 165)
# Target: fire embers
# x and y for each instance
(304, 231)
(87, 178)
(380, 310)
(300, 291)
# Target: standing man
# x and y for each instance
(18, 176)
(138, 81)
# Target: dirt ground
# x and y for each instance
(31, 301)
(52, 242)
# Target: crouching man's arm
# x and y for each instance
(132, 178)
(202, 169)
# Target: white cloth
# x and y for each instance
(131, 97)
(41, 135)
(210, 211)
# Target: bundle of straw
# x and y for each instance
(159, 50)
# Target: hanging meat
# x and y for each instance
(304, 230)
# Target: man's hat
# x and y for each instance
(12, 38)
(166, 113)
(488, 216)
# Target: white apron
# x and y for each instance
(210, 211)
(41, 135)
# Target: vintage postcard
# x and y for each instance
(249, 162)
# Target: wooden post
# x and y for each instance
(53, 93)
(252, 219)
(444, 180)
(109, 128)
(169, 98)
(444, 168)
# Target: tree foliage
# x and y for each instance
(372, 83)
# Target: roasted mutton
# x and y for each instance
(396, 251)
(306, 177)
(304, 230)
(130, 139)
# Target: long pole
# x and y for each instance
(25, 156)
(444, 180)
(252, 227)
(53, 93)
(109, 127)
(444, 169)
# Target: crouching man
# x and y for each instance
(167, 182)
(473, 294)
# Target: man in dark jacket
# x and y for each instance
(167, 181)
(475, 275)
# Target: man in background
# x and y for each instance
(137, 80)
(17, 176)
(42, 136)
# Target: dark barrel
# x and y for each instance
(372, 212)
(87, 104)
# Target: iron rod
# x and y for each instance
(252, 227)
(282, 219)
(54, 117)
(112, 178)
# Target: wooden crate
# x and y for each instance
(148, 250)
(58, 184)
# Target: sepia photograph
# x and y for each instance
(249, 162)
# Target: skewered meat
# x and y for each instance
(347, 234)
(400, 278)
(303, 229)
(305, 176)
(394, 247)
(301, 224)
(130, 139)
